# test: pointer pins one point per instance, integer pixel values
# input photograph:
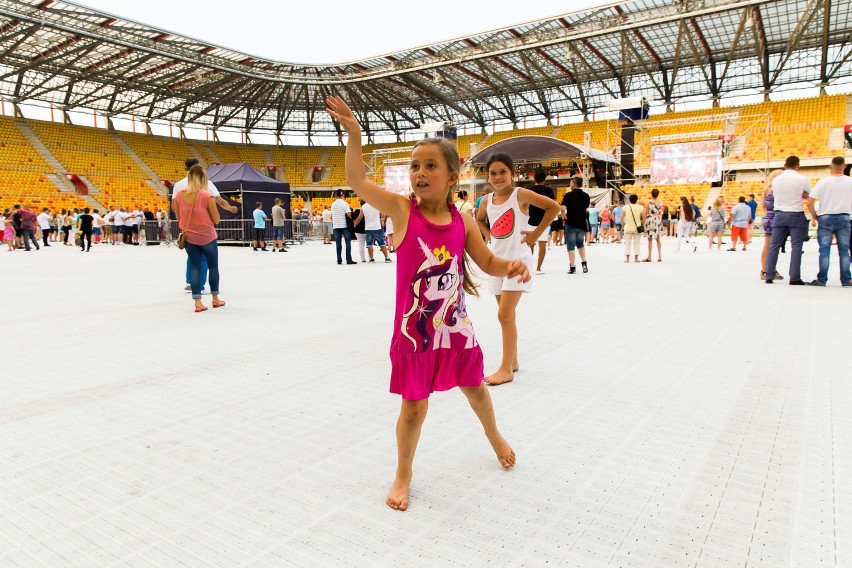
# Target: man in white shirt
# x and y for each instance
(373, 229)
(790, 190)
(211, 188)
(135, 221)
(44, 224)
(128, 227)
(339, 209)
(834, 194)
(118, 218)
(98, 225)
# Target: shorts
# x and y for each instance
(135, 229)
(278, 233)
(496, 284)
(575, 238)
(716, 227)
(375, 236)
(739, 233)
(605, 226)
(618, 227)
(557, 225)
(19, 232)
(767, 227)
(258, 234)
(96, 231)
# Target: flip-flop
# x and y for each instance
(647, 260)
(218, 304)
(200, 309)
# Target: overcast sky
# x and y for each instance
(332, 31)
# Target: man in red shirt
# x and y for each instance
(28, 226)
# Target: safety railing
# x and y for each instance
(234, 231)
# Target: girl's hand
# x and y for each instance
(518, 268)
(340, 111)
(528, 239)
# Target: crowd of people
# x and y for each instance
(22, 228)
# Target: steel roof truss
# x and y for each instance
(798, 32)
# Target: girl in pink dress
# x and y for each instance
(434, 347)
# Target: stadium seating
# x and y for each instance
(798, 127)
(162, 154)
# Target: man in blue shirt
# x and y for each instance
(260, 220)
(753, 205)
(616, 217)
(740, 218)
(697, 216)
(593, 225)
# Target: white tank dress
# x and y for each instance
(507, 221)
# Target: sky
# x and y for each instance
(334, 31)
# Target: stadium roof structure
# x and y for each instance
(76, 57)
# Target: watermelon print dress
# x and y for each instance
(507, 221)
(434, 347)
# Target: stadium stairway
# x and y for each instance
(197, 155)
(153, 178)
(209, 149)
(267, 157)
(94, 203)
(58, 179)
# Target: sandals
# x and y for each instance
(647, 260)
(219, 304)
(200, 309)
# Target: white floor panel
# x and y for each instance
(667, 414)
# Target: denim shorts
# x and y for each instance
(575, 238)
(278, 233)
(375, 237)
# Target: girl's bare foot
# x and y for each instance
(499, 377)
(398, 494)
(505, 453)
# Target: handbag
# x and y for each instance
(639, 228)
(181, 240)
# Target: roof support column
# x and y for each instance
(823, 67)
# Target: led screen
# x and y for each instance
(396, 179)
(687, 162)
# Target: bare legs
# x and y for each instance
(507, 302)
(659, 249)
(718, 238)
(480, 401)
(408, 428)
(542, 250)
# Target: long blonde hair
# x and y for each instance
(451, 156)
(196, 178)
(718, 204)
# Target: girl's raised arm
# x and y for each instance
(385, 201)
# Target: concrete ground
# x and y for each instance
(681, 413)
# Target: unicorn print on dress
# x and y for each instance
(438, 309)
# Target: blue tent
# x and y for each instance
(244, 186)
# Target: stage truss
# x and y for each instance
(744, 137)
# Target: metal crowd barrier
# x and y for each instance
(233, 231)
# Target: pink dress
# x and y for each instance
(434, 347)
